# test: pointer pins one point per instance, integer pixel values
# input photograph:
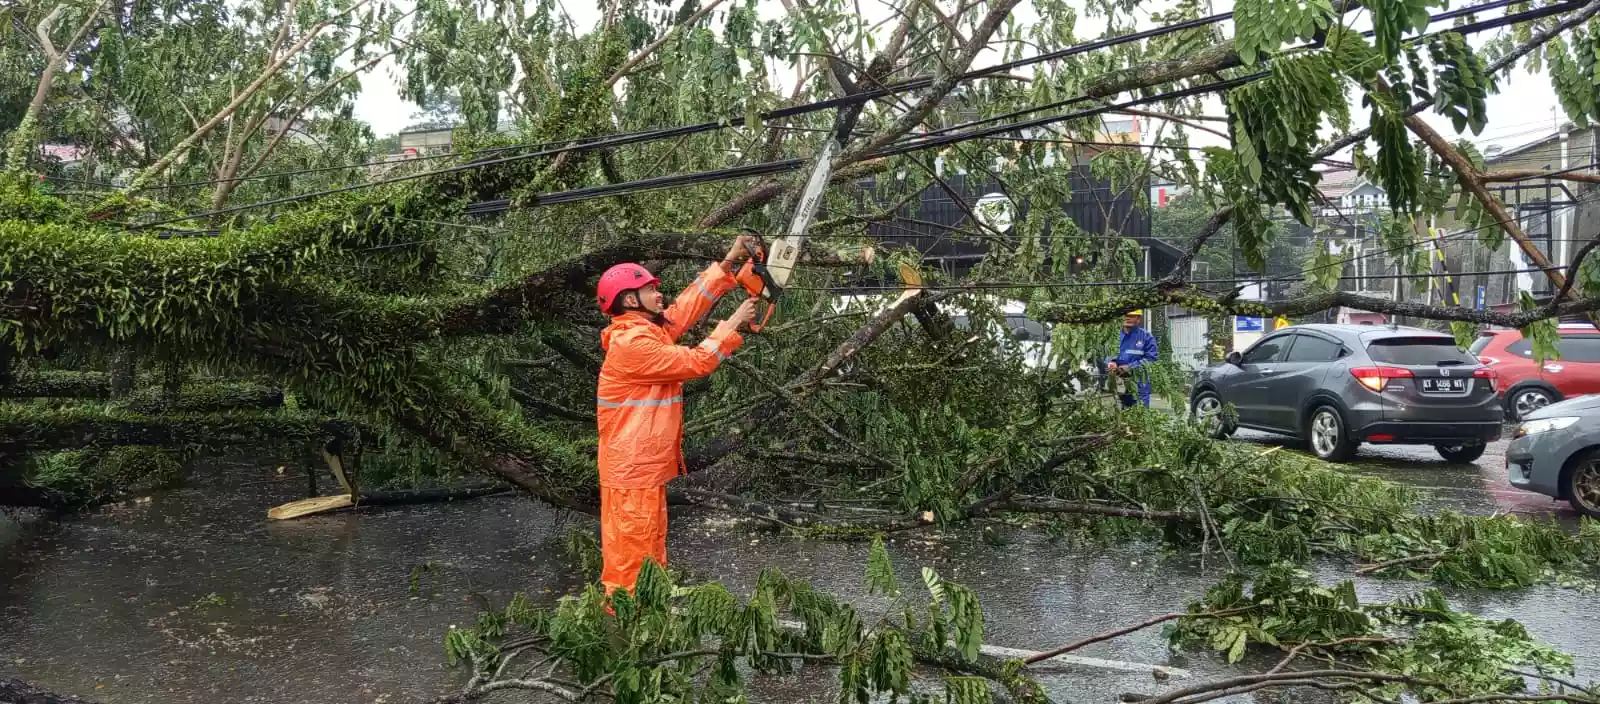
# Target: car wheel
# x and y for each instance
(1326, 435)
(1527, 400)
(1583, 484)
(1208, 411)
(1461, 454)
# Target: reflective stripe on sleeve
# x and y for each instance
(711, 346)
(638, 402)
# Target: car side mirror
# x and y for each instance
(1235, 359)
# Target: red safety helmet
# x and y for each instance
(621, 279)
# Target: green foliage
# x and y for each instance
(880, 574)
(1399, 164)
(1273, 120)
(22, 198)
(1264, 25)
(205, 398)
(663, 633)
(1449, 654)
(1572, 76)
(1284, 607)
(86, 477)
(1543, 335)
(1464, 85)
(1393, 18)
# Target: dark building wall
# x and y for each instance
(1093, 207)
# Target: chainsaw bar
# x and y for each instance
(785, 251)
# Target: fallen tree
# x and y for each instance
(352, 304)
(413, 304)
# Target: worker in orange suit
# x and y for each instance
(639, 404)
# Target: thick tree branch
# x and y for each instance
(249, 92)
(1472, 179)
(1527, 174)
(1180, 271)
(1538, 39)
(1311, 303)
(71, 429)
(232, 179)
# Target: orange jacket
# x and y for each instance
(639, 404)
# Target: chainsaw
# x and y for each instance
(767, 271)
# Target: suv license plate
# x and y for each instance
(1444, 384)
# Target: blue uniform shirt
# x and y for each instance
(1137, 347)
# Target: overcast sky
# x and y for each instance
(1521, 112)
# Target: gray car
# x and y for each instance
(1337, 386)
(1555, 451)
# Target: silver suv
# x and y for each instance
(1337, 386)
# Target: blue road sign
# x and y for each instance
(1245, 323)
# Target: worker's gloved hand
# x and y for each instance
(744, 314)
(739, 252)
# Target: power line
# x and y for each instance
(870, 94)
(736, 121)
(1114, 284)
(773, 167)
(1455, 235)
(905, 146)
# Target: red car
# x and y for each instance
(1526, 385)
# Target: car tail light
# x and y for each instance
(1376, 377)
(1486, 373)
(1489, 361)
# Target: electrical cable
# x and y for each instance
(1464, 29)
(911, 144)
(772, 167)
(737, 121)
(1452, 236)
(866, 95)
(1113, 284)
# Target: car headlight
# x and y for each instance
(1543, 425)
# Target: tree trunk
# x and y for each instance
(124, 367)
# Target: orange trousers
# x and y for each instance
(633, 526)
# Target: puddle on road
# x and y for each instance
(192, 596)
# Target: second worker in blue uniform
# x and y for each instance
(1136, 349)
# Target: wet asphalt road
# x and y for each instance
(1479, 488)
(191, 596)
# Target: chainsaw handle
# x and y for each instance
(754, 279)
(754, 326)
(751, 279)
